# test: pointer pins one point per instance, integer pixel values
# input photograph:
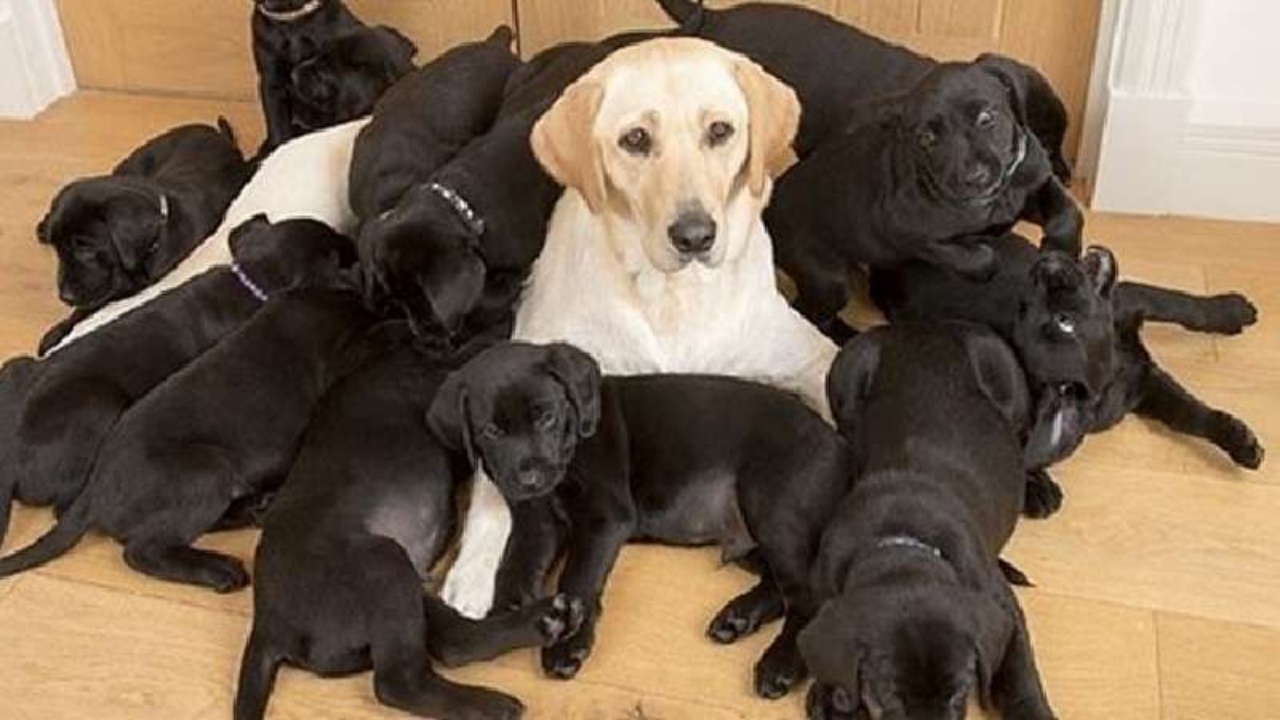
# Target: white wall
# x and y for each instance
(34, 67)
(1192, 110)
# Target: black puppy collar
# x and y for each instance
(460, 206)
(291, 15)
(911, 543)
(248, 282)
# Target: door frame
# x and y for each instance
(35, 68)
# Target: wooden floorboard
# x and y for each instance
(1156, 587)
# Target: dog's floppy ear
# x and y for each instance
(774, 115)
(829, 646)
(399, 50)
(447, 416)
(849, 379)
(135, 226)
(995, 620)
(562, 141)
(453, 283)
(1035, 103)
(1101, 268)
(239, 234)
(579, 373)
(999, 375)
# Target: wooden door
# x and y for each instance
(1056, 36)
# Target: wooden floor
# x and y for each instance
(1158, 585)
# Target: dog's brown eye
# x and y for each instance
(490, 432)
(926, 138)
(546, 420)
(1065, 323)
(985, 119)
(719, 133)
(636, 141)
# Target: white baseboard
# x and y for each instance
(1156, 158)
(35, 69)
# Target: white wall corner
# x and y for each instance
(35, 68)
(1164, 146)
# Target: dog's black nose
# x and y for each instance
(693, 233)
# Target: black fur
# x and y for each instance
(60, 409)
(359, 66)
(119, 233)
(367, 509)
(918, 176)
(918, 616)
(426, 118)
(1077, 333)
(835, 67)
(590, 465)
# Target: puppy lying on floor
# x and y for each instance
(426, 118)
(1078, 335)
(117, 234)
(58, 410)
(367, 509)
(921, 176)
(678, 459)
(286, 33)
(343, 79)
(917, 616)
(175, 463)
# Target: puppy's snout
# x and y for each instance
(693, 232)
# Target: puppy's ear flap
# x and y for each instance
(1101, 268)
(774, 115)
(579, 373)
(135, 221)
(453, 285)
(399, 49)
(447, 417)
(238, 241)
(1035, 104)
(562, 141)
(999, 375)
(995, 621)
(830, 647)
(849, 379)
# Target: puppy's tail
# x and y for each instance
(502, 36)
(66, 532)
(681, 10)
(258, 668)
(228, 132)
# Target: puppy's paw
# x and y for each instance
(777, 673)
(227, 577)
(828, 702)
(729, 627)
(1230, 314)
(1240, 443)
(564, 660)
(1043, 495)
(562, 619)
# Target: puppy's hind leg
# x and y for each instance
(455, 640)
(1163, 399)
(469, 586)
(258, 668)
(1227, 314)
(175, 561)
(782, 667)
(402, 674)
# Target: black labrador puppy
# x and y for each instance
(835, 67)
(1078, 335)
(366, 511)
(347, 75)
(682, 460)
(925, 176)
(59, 409)
(426, 118)
(287, 33)
(917, 616)
(119, 233)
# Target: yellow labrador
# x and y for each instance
(656, 259)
